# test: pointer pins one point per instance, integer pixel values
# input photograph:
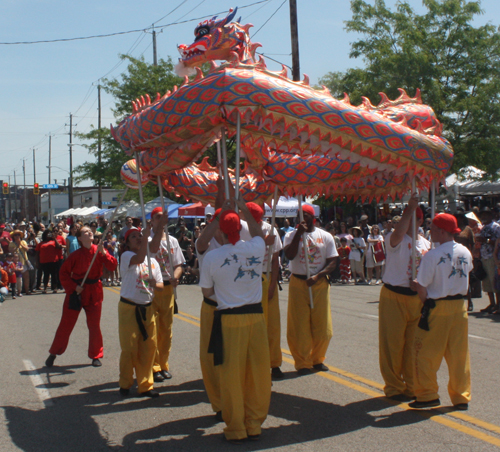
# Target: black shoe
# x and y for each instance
(151, 393)
(96, 362)
(158, 377)
(304, 371)
(277, 374)
(461, 406)
(470, 307)
(50, 360)
(254, 437)
(401, 398)
(321, 367)
(428, 404)
(124, 392)
(166, 374)
(218, 416)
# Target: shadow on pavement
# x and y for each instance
(70, 423)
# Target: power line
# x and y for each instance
(270, 17)
(107, 35)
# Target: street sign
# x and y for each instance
(106, 203)
(49, 186)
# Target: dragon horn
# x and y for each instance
(143, 102)
(134, 107)
(158, 97)
(148, 99)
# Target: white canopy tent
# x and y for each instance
(287, 207)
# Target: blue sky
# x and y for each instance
(41, 84)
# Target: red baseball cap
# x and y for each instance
(230, 225)
(130, 232)
(447, 222)
(155, 211)
(256, 211)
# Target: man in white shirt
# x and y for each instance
(232, 273)
(399, 307)
(270, 298)
(164, 300)
(309, 329)
(442, 283)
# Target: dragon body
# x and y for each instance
(292, 135)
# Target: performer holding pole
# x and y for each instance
(88, 260)
(169, 255)
(141, 199)
(238, 341)
(399, 308)
(309, 329)
(442, 283)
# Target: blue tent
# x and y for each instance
(173, 211)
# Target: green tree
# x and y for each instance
(139, 79)
(455, 64)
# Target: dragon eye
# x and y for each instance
(200, 32)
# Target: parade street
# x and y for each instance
(76, 407)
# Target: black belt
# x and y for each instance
(166, 282)
(303, 277)
(140, 315)
(429, 304)
(87, 281)
(209, 301)
(400, 289)
(216, 345)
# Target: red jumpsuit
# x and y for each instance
(74, 269)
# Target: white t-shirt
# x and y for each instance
(235, 273)
(245, 232)
(320, 247)
(135, 285)
(355, 254)
(213, 245)
(278, 246)
(398, 259)
(162, 256)
(445, 270)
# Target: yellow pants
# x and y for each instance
(397, 321)
(163, 307)
(245, 380)
(208, 370)
(136, 353)
(447, 337)
(309, 331)
(274, 330)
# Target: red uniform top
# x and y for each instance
(10, 269)
(344, 252)
(60, 251)
(5, 278)
(74, 268)
(48, 252)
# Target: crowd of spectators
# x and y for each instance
(31, 254)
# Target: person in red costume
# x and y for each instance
(72, 273)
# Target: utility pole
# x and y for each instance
(99, 184)
(294, 29)
(155, 59)
(70, 182)
(34, 182)
(10, 200)
(24, 191)
(15, 196)
(50, 167)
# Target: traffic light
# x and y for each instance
(5, 188)
(36, 188)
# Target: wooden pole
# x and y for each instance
(224, 162)
(141, 197)
(169, 250)
(273, 220)
(414, 234)
(238, 156)
(306, 252)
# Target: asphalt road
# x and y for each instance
(75, 407)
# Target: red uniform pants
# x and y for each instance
(67, 323)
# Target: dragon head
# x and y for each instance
(216, 40)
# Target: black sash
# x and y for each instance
(209, 301)
(216, 341)
(429, 304)
(400, 290)
(140, 315)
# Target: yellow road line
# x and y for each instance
(429, 414)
